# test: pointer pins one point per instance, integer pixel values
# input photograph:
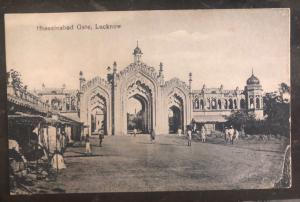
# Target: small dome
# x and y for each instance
(137, 50)
(253, 80)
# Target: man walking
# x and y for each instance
(189, 136)
(88, 150)
(152, 136)
(203, 135)
(101, 136)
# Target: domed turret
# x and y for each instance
(137, 50)
(253, 80)
(137, 53)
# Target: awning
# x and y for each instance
(26, 119)
(210, 119)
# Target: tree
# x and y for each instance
(239, 119)
(277, 110)
(16, 78)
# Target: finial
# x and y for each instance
(160, 66)
(108, 68)
(137, 43)
(115, 66)
(190, 75)
(252, 71)
(80, 73)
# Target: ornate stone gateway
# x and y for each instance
(166, 106)
(104, 104)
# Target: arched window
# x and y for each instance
(219, 104)
(73, 104)
(242, 104)
(56, 104)
(214, 104)
(196, 103)
(230, 104)
(208, 103)
(251, 103)
(201, 104)
(235, 105)
(67, 104)
(257, 103)
(226, 104)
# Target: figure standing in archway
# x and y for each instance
(189, 136)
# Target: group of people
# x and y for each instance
(201, 133)
(230, 135)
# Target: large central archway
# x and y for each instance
(138, 114)
(140, 117)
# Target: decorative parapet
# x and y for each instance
(21, 96)
(176, 82)
(26, 99)
(139, 67)
(97, 81)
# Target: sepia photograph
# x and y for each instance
(148, 101)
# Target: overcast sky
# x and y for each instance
(217, 46)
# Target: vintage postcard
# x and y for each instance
(143, 101)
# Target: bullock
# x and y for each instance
(231, 135)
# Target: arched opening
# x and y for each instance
(257, 103)
(213, 103)
(175, 119)
(226, 104)
(230, 104)
(175, 114)
(219, 104)
(56, 104)
(235, 104)
(201, 104)
(138, 114)
(98, 114)
(98, 121)
(251, 103)
(196, 104)
(242, 104)
(208, 103)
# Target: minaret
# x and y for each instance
(254, 96)
(161, 70)
(115, 67)
(81, 81)
(190, 81)
(137, 53)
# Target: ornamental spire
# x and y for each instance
(137, 53)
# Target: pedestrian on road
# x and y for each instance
(189, 136)
(101, 137)
(203, 135)
(134, 132)
(88, 150)
(152, 136)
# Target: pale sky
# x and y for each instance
(217, 46)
